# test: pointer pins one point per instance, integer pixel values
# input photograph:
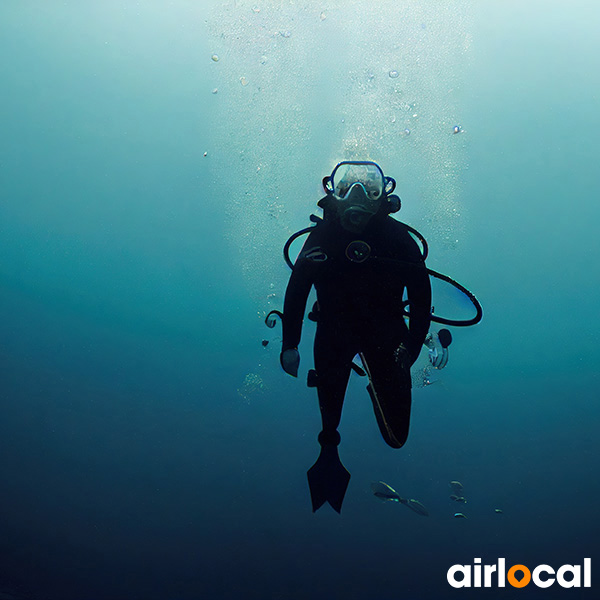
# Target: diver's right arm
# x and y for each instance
(294, 307)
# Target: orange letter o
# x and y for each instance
(514, 581)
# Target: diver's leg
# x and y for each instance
(328, 478)
(388, 367)
(333, 353)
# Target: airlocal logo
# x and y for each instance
(519, 576)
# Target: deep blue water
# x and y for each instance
(150, 446)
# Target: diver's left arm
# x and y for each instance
(418, 286)
(418, 289)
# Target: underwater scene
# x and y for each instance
(155, 159)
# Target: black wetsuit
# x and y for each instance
(360, 311)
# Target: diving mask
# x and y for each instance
(359, 188)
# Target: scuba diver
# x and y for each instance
(373, 300)
(360, 261)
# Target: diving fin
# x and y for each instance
(328, 479)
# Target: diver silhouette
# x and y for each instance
(361, 262)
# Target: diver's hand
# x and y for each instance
(406, 354)
(290, 360)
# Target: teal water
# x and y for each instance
(150, 446)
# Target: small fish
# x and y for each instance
(417, 507)
(456, 490)
(387, 493)
(460, 516)
(498, 510)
